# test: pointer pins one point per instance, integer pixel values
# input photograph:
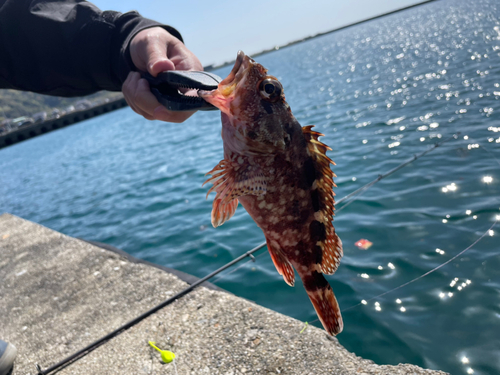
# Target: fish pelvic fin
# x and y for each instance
(324, 302)
(222, 212)
(281, 263)
(324, 201)
(230, 181)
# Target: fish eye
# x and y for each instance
(270, 89)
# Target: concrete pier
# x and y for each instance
(59, 294)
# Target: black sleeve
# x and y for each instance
(66, 47)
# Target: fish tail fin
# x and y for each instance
(324, 302)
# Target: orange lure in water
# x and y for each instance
(280, 173)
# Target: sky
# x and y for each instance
(215, 30)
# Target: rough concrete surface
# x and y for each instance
(59, 294)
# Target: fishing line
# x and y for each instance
(428, 272)
(74, 357)
(485, 149)
(237, 268)
(362, 189)
(81, 353)
(358, 192)
(419, 277)
(380, 177)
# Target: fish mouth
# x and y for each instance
(229, 83)
(225, 93)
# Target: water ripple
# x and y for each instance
(381, 93)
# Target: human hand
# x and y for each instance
(155, 50)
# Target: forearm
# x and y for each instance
(66, 48)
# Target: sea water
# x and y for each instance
(381, 93)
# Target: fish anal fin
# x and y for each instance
(281, 263)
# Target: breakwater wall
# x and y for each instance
(30, 131)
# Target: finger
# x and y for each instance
(144, 100)
(156, 57)
(163, 114)
(141, 100)
(130, 91)
(182, 58)
(159, 65)
(138, 95)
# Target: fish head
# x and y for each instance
(253, 104)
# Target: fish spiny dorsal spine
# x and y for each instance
(323, 200)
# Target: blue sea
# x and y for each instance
(381, 92)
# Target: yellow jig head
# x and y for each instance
(166, 356)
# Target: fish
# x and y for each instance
(280, 173)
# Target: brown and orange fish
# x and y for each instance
(280, 173)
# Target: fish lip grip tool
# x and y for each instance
(165, 87)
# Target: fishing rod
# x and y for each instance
(362, 189)
(83, 352)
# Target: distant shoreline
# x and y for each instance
(23, 133)
(277, 48)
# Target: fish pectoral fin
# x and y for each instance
(250, 182)
(222, 212)
(281, 263)
(232, 180)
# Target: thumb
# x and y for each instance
(160, 65)
(156, 58)
(148, 50)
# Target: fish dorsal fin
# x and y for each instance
(232, 180)
(324, 201)
(281, 263)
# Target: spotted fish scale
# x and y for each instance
(280, 173)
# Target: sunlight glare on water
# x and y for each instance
(381, 92)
